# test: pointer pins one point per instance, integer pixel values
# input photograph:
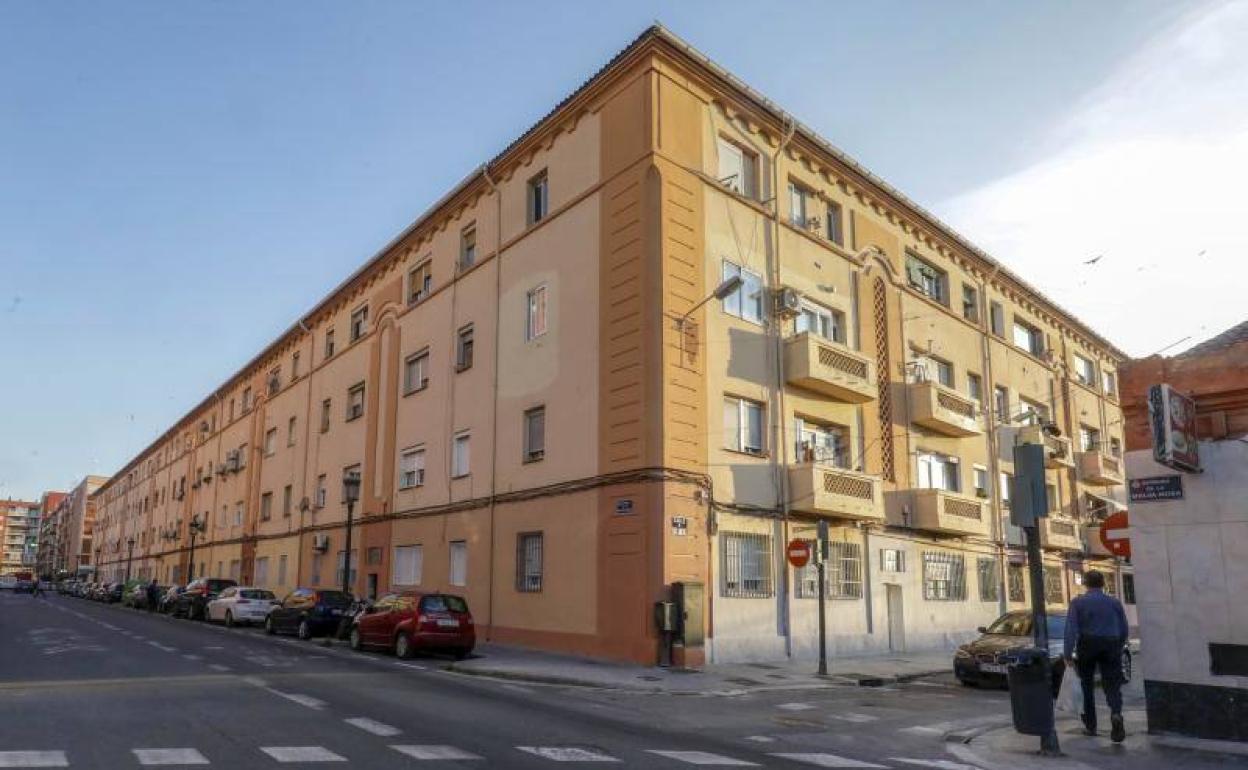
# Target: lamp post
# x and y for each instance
(195, 527)
(350, 493)
(129, 556)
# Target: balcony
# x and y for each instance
(830, 368)
(1058, 533)
(826, 490)
(943, 409)
(1096, 467)
(952, 513)
(1092, 536)
(1059, 452)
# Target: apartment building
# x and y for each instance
(66, 545)
(553, 415)
(19, 530)
(44, 537)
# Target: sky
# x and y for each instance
(180, 181)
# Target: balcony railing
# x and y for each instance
(944, 410)
(830, 368)
(1059, 533)
(826, 490)
(1097, 467)
(950, 512)
(1059, 452)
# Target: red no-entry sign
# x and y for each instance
(799, 553)
(1113, 532)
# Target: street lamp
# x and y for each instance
(350, 493)
(195, 527)
(728, 286)
(129, 556)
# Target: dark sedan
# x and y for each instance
(309, 612)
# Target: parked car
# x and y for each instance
(24, 586)
(309, 612)
(407, 622)
(193, 602)
(985, 660)
(8, 582)
(169, 599)
(114, 593)
(134, 594)
(242, 604)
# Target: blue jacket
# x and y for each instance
(1094, 614)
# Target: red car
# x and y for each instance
(409, 622)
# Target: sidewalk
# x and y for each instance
(520, 664)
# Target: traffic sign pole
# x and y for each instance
(822, 566)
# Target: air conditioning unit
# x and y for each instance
(232, 460)
(813, 224)
(320, 543)
(788, 302)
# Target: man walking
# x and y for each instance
(1096, 629)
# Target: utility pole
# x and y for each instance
(350, 493)
(821, 564)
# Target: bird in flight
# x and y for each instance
(1094, 260)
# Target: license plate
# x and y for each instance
(993, 668)
(448, 623)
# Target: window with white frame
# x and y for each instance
(534, 434)
(819, 320)
(408, 564)
(1110, 381)
(927, 279)
(1028, 338)
(745, 565)
(460, 455)
(836, 227)
(412, 468)
(743, 425)
(975, 387)
(980, 476)
(459, 563)
(819, 442)
(1089, 438)
(416, 372)
(1085, 370)
(536, 312)
(1004, 480)
(746, 302)
(419, 282)
(529, 562)
(970, 303)
(892, 560)
(738, 168)
(801, 206)
(937, 471)
(1001, 403)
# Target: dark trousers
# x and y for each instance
(1104, 653)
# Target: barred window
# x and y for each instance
(989, 588)
(843, 573)
(1053, 593)
(892, 560)
(529, 562)
(1018, 590)
(745, 565)
(1128, 588)
(944, 576)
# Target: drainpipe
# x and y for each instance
(498, 292)
(781, 419)
(989, 394)
(307, 449)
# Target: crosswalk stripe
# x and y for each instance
(850, 716)
(445, 753)
(828, 760)
(169, 757)
(373, 726)
(702, 758)
(939, 764)
(568, 754)
(795, 707)
(33, 759)
(302, 754)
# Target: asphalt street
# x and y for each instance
(87, 685)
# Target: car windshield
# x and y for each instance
(1019, 624)
(219, 585)
(335, 599)
(258, 594)
(444, 604)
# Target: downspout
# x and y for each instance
(781, 419)
(498, 293)
(307, 448)
(988, 394)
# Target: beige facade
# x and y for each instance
(19, 529)
(547, 421)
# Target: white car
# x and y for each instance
(8, 582)
(241, 604)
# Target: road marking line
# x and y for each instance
(828, 760)
(941, 764)
(169, 757)
(373, 726)
(193, 657)
(214, 647)
(416, 666)
(445, 753)
(163, 647)
(255, 680)
(853, 717)
(302, 754)
(219, 667)
(33, 759)
(795, 707)
(568, 754)
(300, 698)
(702, 758)
(761, 738)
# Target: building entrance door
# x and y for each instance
(896, 619)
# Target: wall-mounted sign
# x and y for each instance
(1153, 488)
(624, 506)
(680, 525)
(1172, 416)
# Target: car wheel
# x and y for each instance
(268, 626)
(305, 630)
(356, 644)
(402, 646)
(229, 619)
(461, 653)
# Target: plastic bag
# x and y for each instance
(1070, 694)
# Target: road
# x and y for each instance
(87, 685)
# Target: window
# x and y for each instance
(821, 321)
(939, 472)
(980, 474)
(341, 567)
(943, 371)
(538, 198)
(420, 282)
(743, 425)
(459, 563)
(1017, 586)
(416, 372)
(1128, 588)
(373, 557)
(321, 491)
(412, 468)
(235, 569)
(745, 565)
(315, 571)
(1053, 591)
(408, 564)
(359, 321)
(1085, 371)
(1028, 338)
(529, 562)
(1001, 402)
(460, 456)
(822, 443)
(294, 365)
(325, 412)
(329, 343)
(246, 400)
(535, 434)
(944, 576)
(239, 509)
(1031, 412)
(275, 381)
(892, 560)
(1089, 439)
(463, 349)
(281, 570)
(288, 493)
(927, 279)
(536, 313)
(843, 573)
(262, 571)
(266, 506)
(746, 302)
(242, 457)
(290, 431)
(989, 587)
(355, 401)
(738, 169)
(468, 247)
(1115, 446)
(1111, 384)
(799, 199)
(270, 442)
(970, 303)
(1004, 480)
(975, 387)
(996, 318)
(836, 232)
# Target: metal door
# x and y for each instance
(896, 619)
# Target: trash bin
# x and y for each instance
(1031, 691)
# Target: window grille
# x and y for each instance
(843, 573)
(529, 562)
(944, 576)
(1017, 587)
(989, 588)
(1053, 593)
(745, 565)
(1128, 588)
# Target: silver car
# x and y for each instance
(241, 604)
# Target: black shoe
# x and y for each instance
(1117, 733)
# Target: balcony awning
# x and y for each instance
(1111, 505)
